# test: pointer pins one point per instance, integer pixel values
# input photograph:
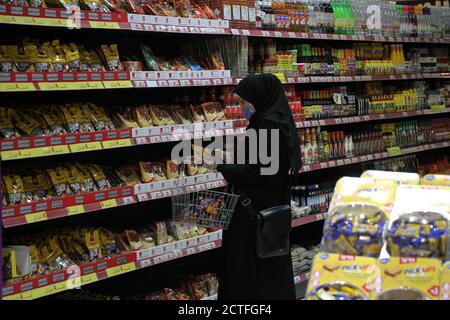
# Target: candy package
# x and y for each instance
(14, 188)
(99, 177)
(22, 58)
(172, 170)
(197, 114)
(160, 115)
(37, 186)
(72, 57)
(7, 129)
(6, 58)
(124, 118)
(93, 243)
(181, 115)
(90, 60)
(86, 116)
(149, 58)
(74, 178)
(86, 180)
(398, 177)
(198, 287)
(213, 111)
(409, 279)
(147, 174)
(143, 116)
(53, 119)
(72, 117)
(43, 57)
(355, 229)
(419, 223)
(98, 117)
(58, 177)
(26, 123)
(160, 231)
(110, 56)
(336, 277)
(436, 180)
(147, 238)
(182, 231)
(159, 171)
(133, 240)
(129, 174)
(58, 57)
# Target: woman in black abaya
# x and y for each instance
(243, 275)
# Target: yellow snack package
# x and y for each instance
(72, 57)
(109, 245)
(58, 177)
(143, 116)
(445, 281)
(86, 116)
(28, 124)
(98, 117)
(41, 57)
(409, 279)
(52, 117)
(362, 190)
(397, 177)
(99, 176)
(7, 129)
(72, 117)
(58, 57)
(22, 58)
(338, 277)
(436, 180)
(14, 188)
(110, 55)
(6, 58)
(93, 243)
(9, 265)
(36, 186)
(87, 182)
(74, 178)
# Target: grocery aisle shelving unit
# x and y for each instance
(25, 148)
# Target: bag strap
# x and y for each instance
(246, 202)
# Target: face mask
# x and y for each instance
(248, 113)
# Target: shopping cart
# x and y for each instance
(207, 208)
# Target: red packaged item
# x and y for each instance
(131, 6)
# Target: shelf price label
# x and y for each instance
(111, 203)
(88, 278)
(118, 84)
(394, 151)
(87, 146)
(16, 86)
(104, 25)
(74, 210)
(116, 143)
(36, 217)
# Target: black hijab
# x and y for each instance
(266, 93)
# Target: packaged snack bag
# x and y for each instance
(9, 267)
(180, 115)
(58, 177)
(147, 239)
(198, 287)
(149, 58)
(86, 180)
(110, 55)
(86, 116)
(74, 178)
(213, 284)
(197, 114)
(409, 279)
(159, 171)
(90, 60)
(22, 58)
(13, 185)
(147, 174)
(58, 57)
(37, 186)
(42, 61)
(445, 281)
(113, 177)
(124, 118)
(98, 117)
(72, 57)
(72, 117)
(6, 58)
(160, 116)
(133, 240)
(99, 176)
(28, 124)
(419, 223)
(93, 243)
(129, 174)
(143, 116)
(436, 180)
(160, 230)
(398, 177)
(337, 277)
(173, 170)
(7, 130)
(355, 229)
(379, 193)
(53, 119)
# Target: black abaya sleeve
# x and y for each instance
(247, 174)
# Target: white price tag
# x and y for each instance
(156, 195)
(190, 251)
(145, 263)
(340, 162)
(158, 250)
(179, 245)
(166, 138)
(155, 139)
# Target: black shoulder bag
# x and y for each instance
(273, 226)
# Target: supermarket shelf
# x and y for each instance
(357, 119)
(371, 157)
(337, 37)
(60, 18)
(64, 81)
(32, 147)
(21, 214)
(92, 272)
(55, 17)
(307, 219)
